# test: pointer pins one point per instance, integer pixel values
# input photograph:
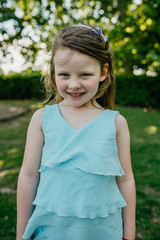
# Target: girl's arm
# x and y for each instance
(29, 176)
(126, 183)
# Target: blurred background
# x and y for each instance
(27, 31)
(29, 27)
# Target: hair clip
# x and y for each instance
(96, 30)
(103, 36)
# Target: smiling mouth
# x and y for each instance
(76, 94)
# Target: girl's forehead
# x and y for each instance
(65, 55)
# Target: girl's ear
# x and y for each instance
(104, 73)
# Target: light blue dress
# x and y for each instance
(77, 196)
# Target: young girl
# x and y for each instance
(80, 147)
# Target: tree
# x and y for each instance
(136, 36)
(132, 27)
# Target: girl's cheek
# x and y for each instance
(91, 84)
(60, 83)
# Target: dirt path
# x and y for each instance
(8, 112)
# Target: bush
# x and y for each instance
(131, 90)
(140, 91)
(21, 86)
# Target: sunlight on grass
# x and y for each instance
(151, 129)
(145, 109)
(1, 163)
(4, 173)
(13, 150)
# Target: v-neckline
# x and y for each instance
(85, 125)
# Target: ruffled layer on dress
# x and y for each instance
(44, 225)
(81, 183)
(97, 157)
(73, 192)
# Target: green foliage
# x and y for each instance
(137, 43)
(133, 28)
(21, 86)
(130, 90)
(137, 90)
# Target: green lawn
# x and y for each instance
(145, 148)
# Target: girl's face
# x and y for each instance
(77, 76)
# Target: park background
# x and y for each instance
(27, 30)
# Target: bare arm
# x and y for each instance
(126, 183)
(29, 176)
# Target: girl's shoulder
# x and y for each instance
(120, 119)
(37, 117)
(120, 123)
(38, 113)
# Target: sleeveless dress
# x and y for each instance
(77, 196)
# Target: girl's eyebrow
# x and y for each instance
(80, 72)
(91, 71)
(62, 71)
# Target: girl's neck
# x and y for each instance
(91, 105)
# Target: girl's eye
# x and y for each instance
(84, 75)
(64, 75)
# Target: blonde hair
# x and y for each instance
(85, 41)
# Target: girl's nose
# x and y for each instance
(74, 83)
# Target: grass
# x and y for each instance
(145, 149)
